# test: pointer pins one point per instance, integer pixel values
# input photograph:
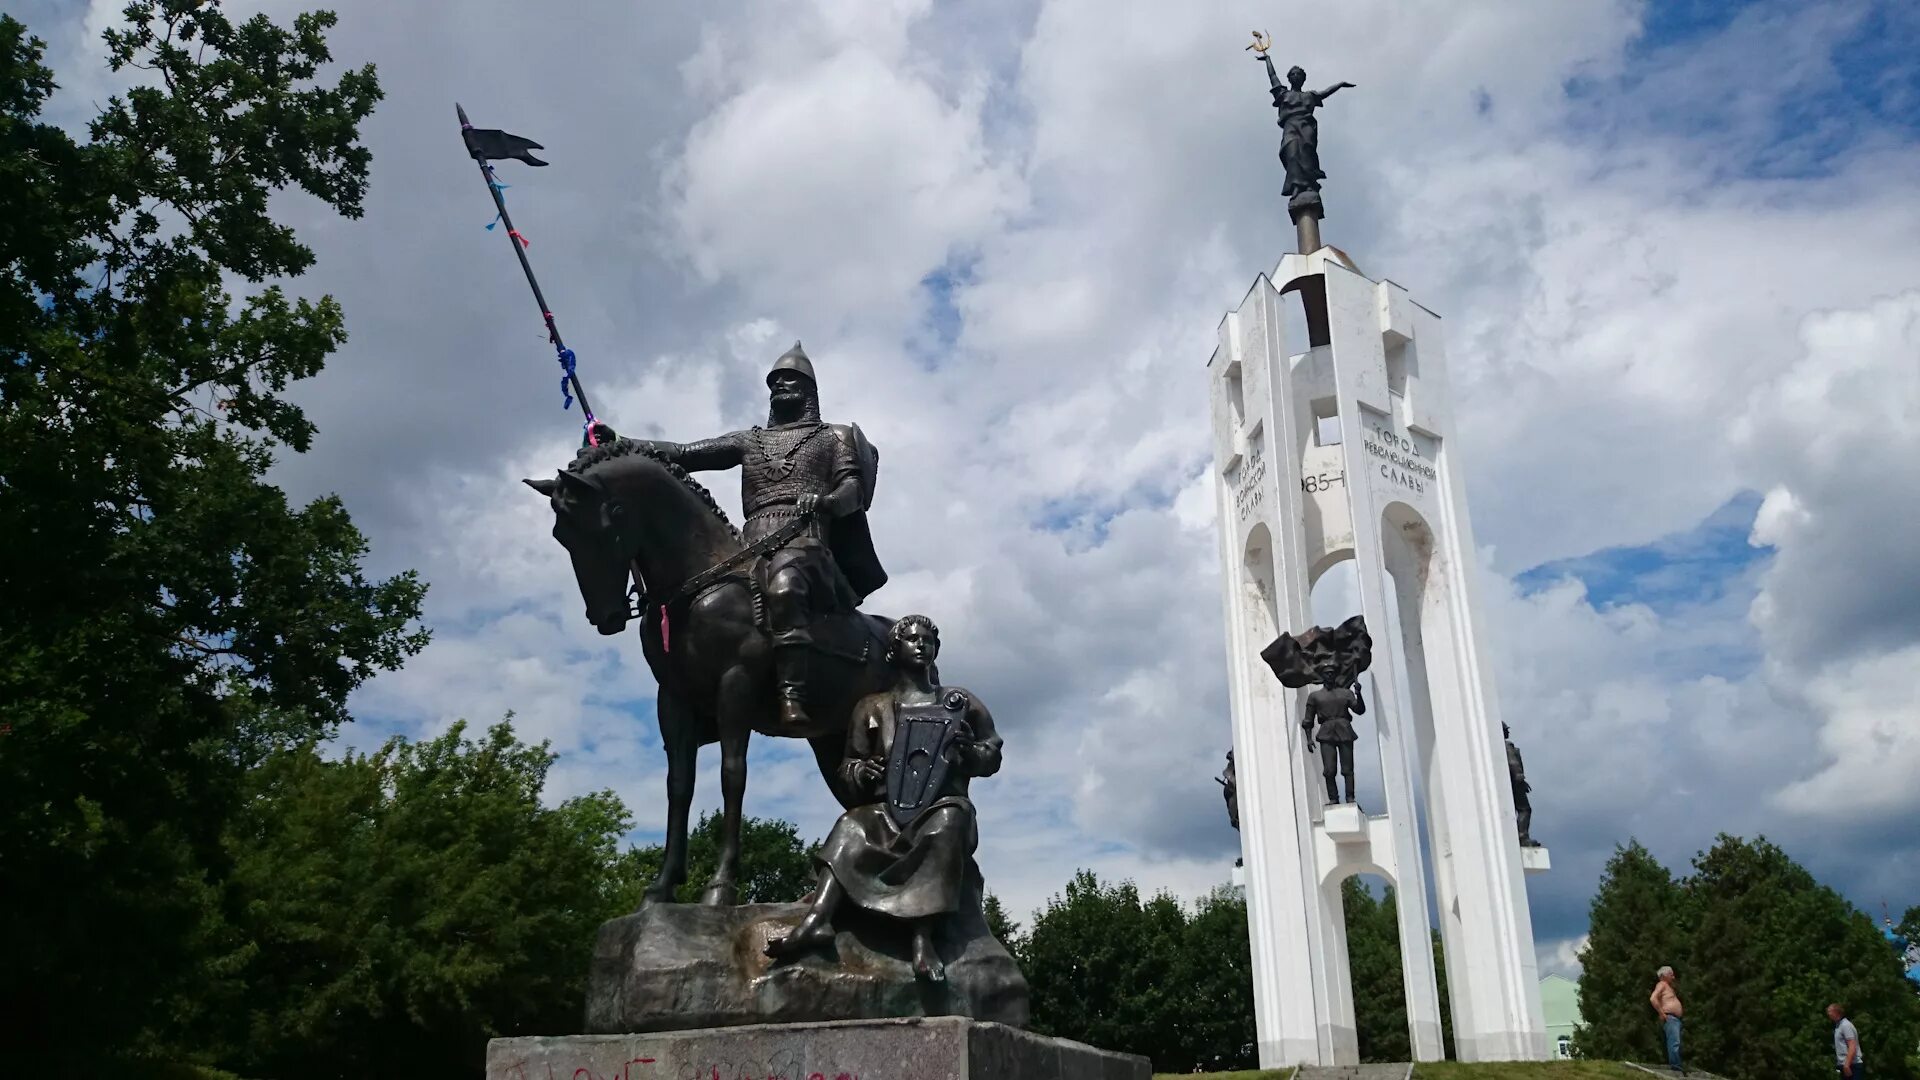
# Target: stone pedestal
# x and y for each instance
(941, 1048)
(677, 966)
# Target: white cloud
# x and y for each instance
(1870, 732)
(1561, 957)
(1639, 326)
(831, 187)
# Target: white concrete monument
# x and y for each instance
(1331, 421)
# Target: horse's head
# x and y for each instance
(592, 524)
(622, 508)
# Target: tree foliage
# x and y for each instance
(1379, 976)
(1100, 963)
(1143, 977)
(1216, 970)
(776, 866)
(169, 616)
(402, 907)
(1635, 926)
(1379, 984)
(999, 923)
(1771, 948)
(1760, 948)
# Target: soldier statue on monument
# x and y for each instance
(1333, 657)
(1522, 803)
(1333, 708)
(798, 466)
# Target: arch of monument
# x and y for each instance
(1331, 420)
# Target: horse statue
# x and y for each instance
(624, 513)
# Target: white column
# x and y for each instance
(1387, 494)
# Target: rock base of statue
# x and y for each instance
(934, 1048)
(670, 967)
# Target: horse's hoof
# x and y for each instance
(719, 895)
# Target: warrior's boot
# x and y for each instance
(790, 671)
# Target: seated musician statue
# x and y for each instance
(907, 854)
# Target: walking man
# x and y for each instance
(1846, 1045)
(1666, 1002)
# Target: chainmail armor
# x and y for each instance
(782, 464)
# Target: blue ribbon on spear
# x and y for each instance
(485, 146)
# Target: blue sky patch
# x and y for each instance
(940, 325)
(1810, 85)
(1681, 570)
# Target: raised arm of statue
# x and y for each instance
(1273, 77)
(1359, 703)
(706, 455)
(1329, 91)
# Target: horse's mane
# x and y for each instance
(590, 456)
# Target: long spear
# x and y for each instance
(487, 145)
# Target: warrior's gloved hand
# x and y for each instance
(867, 772)
(602, 434)
(807, 504)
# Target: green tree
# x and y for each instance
(403, 907)
(1379, 986)
(1636, 924)
(999, 923)
(776, 866)
(168, 616)
(1215, 968)
(1100, 965)
(1770, 949)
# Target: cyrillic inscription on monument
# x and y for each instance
(1247, 480)
(1399, 459)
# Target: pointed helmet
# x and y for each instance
(794, 359)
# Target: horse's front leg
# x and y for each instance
(680, 733)
(737, 701)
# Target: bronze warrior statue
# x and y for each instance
(907, 853)
(1517, 775)
(798, 467)
(1230, 790)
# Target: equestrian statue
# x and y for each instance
(744, 631)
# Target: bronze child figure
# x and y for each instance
(912, 749)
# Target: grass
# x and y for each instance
(1259, 1074)
(1461, 1070)
(1526, 1070)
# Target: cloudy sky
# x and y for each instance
(1676, 247)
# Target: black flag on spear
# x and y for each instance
(491, 144)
